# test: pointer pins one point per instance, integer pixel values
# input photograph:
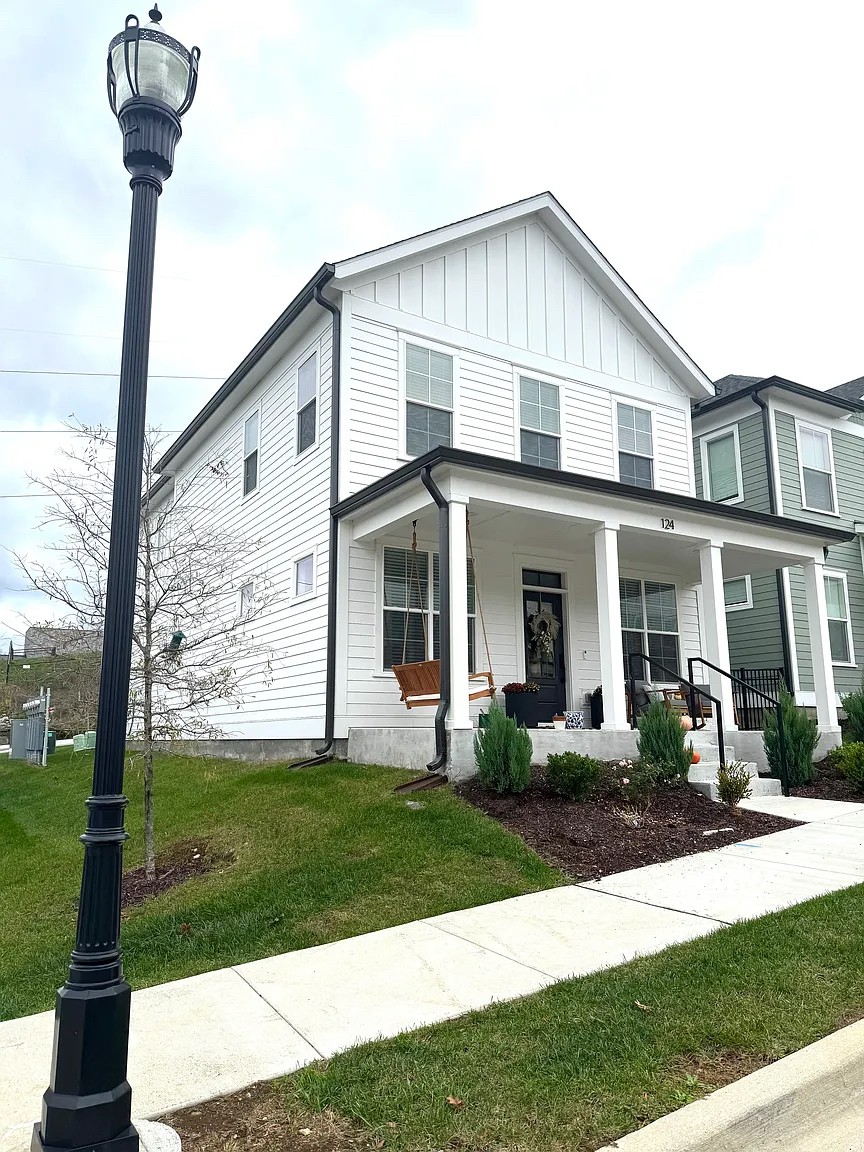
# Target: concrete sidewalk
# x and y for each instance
(216, 1033)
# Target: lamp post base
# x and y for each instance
(126, 1142)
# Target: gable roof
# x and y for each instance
(731, 388)
(851, 390)
(547, 209)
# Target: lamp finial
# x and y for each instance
(154, 14)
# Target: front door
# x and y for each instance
(543, 616)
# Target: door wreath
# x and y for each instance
(545, 628)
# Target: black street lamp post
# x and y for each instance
(88, 1106)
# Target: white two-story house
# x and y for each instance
(495, 394)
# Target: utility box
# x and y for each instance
(18, 740)
(52, 743)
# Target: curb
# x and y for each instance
(781, 1106)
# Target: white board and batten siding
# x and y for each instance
(508, 303)
(289, 514)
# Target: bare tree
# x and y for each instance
(194, 649)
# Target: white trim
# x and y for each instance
(346, 392)
(617, 402)
(250, 412)
(630, 574)
(837, 574)
(303, 554)
(742, 607)
(775, 458)
(404, 339)
(709, 438)
(246, 584)
(561, 387)
(793, 643)
(316, 352)
(823, 431)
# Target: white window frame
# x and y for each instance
(250, 584)
(646, 672)
(627, 402)
(748, 603)
(704, 441)
(823, 431)
(244, 456)
(304, 554)
(530, 374)
(316, 352)
(406, 338)
(834, 574)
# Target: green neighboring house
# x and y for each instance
(776, 446)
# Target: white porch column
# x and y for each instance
(716, 636)
(609, 627)
(459, 715)
(820, 645)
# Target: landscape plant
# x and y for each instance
(572, 775)
(853, 706)
(848, 759)
(662, 743)
(733, 783)
(801, 734)
(502, 753)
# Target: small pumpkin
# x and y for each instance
(686, 722)
(695, 756)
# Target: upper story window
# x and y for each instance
(247, 598)
(817, 469)
(307, 403)
(304, 576)
(635, 446)
(250, 453)
(429, 399)
(721, 466)
(837, 610)
(540, 422)
(738, 593)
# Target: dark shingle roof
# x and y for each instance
(851, 390)
(728, 384)
(728, 387)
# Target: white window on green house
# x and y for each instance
(817, 471)
(250, 453)
(649, 623)
(738, 593)
(307, 403)
(410, 615)
(635, 446)
(429, 399)
(304, 576)
(722, 467)
(839, 631)
(540, 423)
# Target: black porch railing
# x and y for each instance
(692, 690)
(752, 691)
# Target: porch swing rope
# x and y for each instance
(415, 572)
(478, 600)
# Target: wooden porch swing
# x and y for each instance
(420, 683)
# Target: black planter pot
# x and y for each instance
(527, 709)
(596, 709)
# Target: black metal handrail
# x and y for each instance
(778, 709)
(678, 678)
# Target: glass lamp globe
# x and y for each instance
(146, 63)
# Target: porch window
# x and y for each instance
(837, 605)
(635, 446)
(250, 453)
(721, 466)
(307, 403)
(817, 469)
(429, 400)
(649, 622)
(738, 593)
(540, 422)
(408, 608)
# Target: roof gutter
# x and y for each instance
(440, 760)
(706, 406)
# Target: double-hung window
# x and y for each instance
(738, 593)
(250, 453)
(649, 624)
(817, 470)
(307, 403)
(721, 466)
(429, 399)
(539, 423)
(304, 576)
(410, 607)
(635, 446)
(247, 598)
(837, 606)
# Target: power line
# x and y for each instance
(76, 431)
(24, 496)
(53, 372)
(84, 267)
(77, 335)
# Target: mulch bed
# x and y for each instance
(588, 840)
(177, 864)
(828, 784)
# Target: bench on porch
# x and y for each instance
(420, 684)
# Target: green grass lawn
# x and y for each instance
(320, 854)
(581, 1063)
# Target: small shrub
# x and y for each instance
(634, 782)
(849, 761)
(661, 743)
(853, 706)
(502, 753)
(801, 732)
(572, 775)
(733, 783)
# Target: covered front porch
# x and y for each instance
(533, 575)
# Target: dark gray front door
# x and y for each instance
(543, 615)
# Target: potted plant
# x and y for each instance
(523, 704)
(559, 720)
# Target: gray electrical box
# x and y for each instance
(19, 740)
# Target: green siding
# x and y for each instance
(697, 467)
(754, 474)
(754, 633)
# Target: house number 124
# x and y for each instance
(668, 524)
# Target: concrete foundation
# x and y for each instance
(251, 751)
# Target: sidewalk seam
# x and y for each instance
(664, 907)
(492, 951)
(273, 1008)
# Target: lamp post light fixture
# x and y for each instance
(88, 1105)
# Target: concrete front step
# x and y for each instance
(759, 786)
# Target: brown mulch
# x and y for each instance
(588, 840)
(258, 1118)
(828, 784)
(178, 863)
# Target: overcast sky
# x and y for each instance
(712, 153)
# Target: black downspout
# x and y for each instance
(325, 753)
(434, 491)
(772, 508)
